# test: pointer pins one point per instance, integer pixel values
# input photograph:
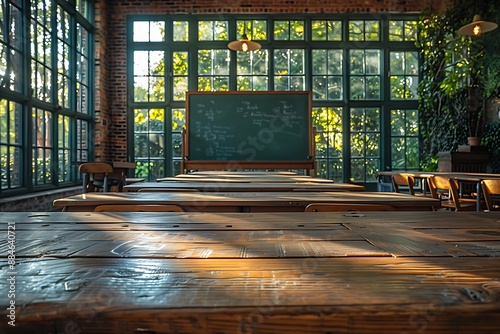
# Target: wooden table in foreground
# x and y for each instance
(370, 272)
(244, 201)
(243, 186)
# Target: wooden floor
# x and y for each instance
(371, 272)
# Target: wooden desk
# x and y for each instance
(252, 172)
(246, 177)
(244, 186)
(128, 273)
(244, 201)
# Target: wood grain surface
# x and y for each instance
(370, 272)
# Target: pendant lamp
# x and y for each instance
(244, 44)
(477, 27)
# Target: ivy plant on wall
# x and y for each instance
(459, 73)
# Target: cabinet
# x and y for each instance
(470, 162)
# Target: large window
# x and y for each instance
(363, 74)
(45, 107)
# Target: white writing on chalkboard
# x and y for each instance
(249, 126)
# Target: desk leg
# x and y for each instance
(478, 200)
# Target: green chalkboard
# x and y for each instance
(248, 126)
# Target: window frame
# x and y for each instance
(382, 43)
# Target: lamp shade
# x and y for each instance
(244, 44)
(477, 27)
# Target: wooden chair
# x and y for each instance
(400, 180)
(403, 180)
(334, 207)
(446, 190)
(137, 208)
(95, 176)
(491, 192)
(119, 175)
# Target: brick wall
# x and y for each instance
(102, 63)
(111, 60)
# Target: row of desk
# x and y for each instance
(461, 177)
(370, 272)
(242, 192)
(244, 201)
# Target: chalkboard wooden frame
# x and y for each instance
(196, 99)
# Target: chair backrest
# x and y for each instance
(445, 186)
(403, 180)
(340, 207)
(490, 188)
(95, 168)
(95, 175)
(137, 208)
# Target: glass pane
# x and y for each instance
(411, 31)
(396, 31)
(372, 30)
(176, 145)
(318, 30)
(157, 31)
(397, 63)
(259, 30)
(334, 30)
(356, 30)
(220, 31)
(281, 32)
(281, 61)
(398, 153)
(296, 30)
(180, 63)
(398, 123)
(141, 145)
(411, 66)
(221, 62)
(335, 88)
(180, 88)
(335, 60)
(372, 118)
(181, 31)
(319, 61)
(357, 61)
(372, 61)
(156, 144)
(357, 88)
(373, 88)
(319, 87)
(178, 119)
(296, 61)
(412, 153)
(205, 31)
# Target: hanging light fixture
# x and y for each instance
(477, 27)
(244, 44)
